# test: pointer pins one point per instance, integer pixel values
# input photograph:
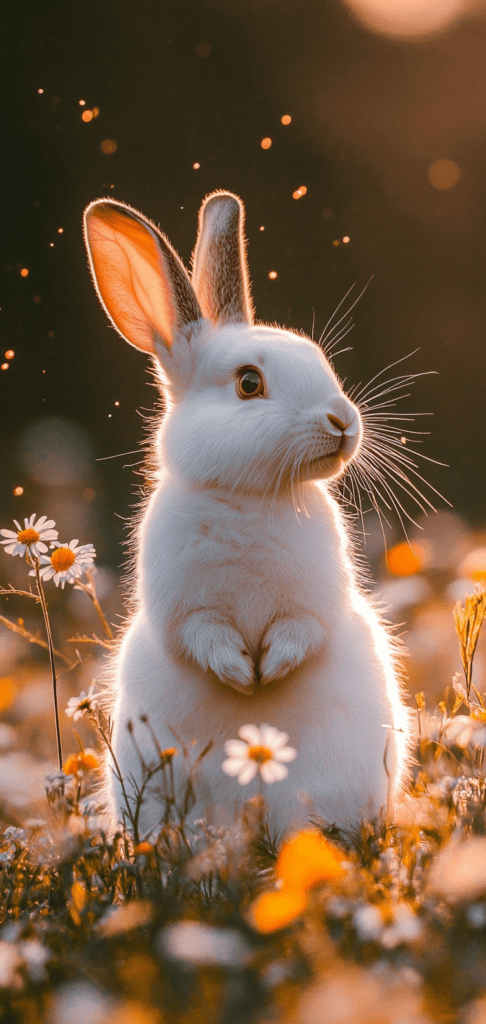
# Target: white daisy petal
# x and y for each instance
(286, 754)
(272, 738)
(247, 772)
(8, 533)
(40, 548)
(251, 734)
(233, 765)
(273, 771)
(236, 748)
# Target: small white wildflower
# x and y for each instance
(476, 915)
(78, 706)
(259, 750)
(35, 956)
(66, 562)
(10, 961)
(368, 922)
(406, 927)
(462, 730)
(198, 943)
(32, 536)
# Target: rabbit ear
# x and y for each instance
(140, 280)
(220, 275)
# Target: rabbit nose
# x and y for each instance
(336, 421)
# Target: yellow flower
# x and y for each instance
(307, 859)
(274, 910)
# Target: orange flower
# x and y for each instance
(307, 859)
(143, 847)
(86, 760)
(274, 910)
(71, 765)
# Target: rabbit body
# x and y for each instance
(247, 604)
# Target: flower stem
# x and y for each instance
(91, 592)
(40, 591)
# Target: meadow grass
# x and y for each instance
(195, 923)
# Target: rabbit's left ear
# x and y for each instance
(220, 274)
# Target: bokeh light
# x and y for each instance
(443, 174)
(405, 559)
(266, 143)
(286, 119)
(55, 451)
(408, 17)
(108, 146)
(272, 275)
(87, 115)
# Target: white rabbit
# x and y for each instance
(247, 606)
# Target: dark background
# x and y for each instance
(183, 82)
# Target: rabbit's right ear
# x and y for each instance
(220, 275)
(141, 282)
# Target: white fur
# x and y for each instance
(247, 607)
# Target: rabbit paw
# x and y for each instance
(286, 644)
(216, 645)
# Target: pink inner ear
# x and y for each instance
(130, 275)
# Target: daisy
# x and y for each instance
(31, 537)
(78, 706)
(66, 562)
(259, 750)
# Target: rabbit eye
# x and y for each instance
(250, 383)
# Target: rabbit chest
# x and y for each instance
(244, 556)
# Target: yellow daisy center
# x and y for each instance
(28, 537)
(62, 559)
(260, 754)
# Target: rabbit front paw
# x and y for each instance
(216, 645)
(285, 645)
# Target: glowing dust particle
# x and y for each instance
(9, 353)
(40, 91)
(346, 239)
(299, 192)
(18, 491)
(196, 167)
(82, 103)
(336, 242)
(4, 366)
(286, 119)
(303, 190)
(262, 228)
(51, 245)
(109, 146)
(87, 115)
(272, 275)
(60, 231)
(24, 272)
(96, 111)
(109, 415)
(443, 174)
(203, 49)
(403, 440)
(117, 404)
(266, 143)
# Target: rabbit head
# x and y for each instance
(249, 407)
